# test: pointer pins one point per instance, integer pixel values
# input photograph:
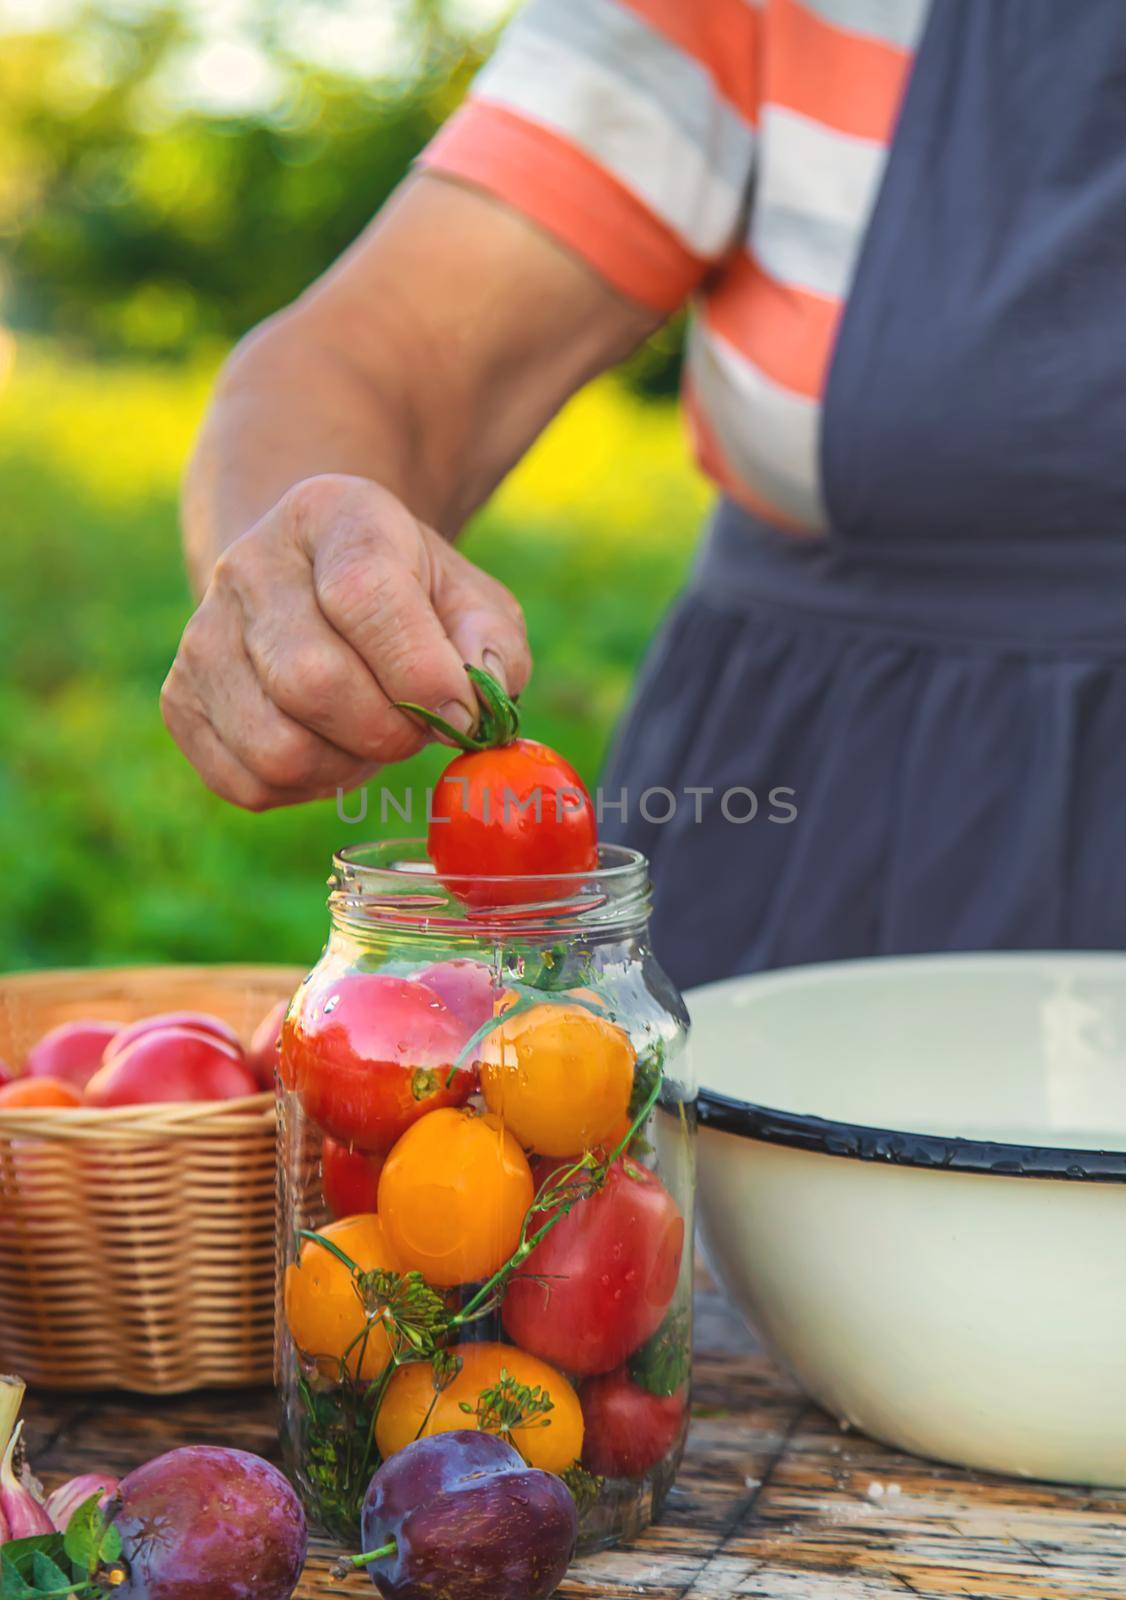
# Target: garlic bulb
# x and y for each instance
(63, 1502)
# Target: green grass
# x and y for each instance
(110, 849)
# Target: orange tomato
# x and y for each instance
(411, 1410)
(27, 1093)
(559, 1077)
(453, 1195)
(322, 1305)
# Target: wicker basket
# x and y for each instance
(137, 1245)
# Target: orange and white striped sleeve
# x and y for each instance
(625, 129)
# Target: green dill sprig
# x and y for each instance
(414, 1316)
(585, 1486)
(509, 1404)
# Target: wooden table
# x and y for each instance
(773, 1501)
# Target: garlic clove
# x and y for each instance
(20, 1506)
(63, 1502)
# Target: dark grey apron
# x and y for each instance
(941, 681)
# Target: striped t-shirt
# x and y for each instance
(727, 151)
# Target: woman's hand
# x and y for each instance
(332, 606)
(415, 373)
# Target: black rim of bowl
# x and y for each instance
(931, 1151)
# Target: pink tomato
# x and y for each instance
(171, 1064)
(465, 987)
(262, 1057)
(197, 1021)
(72, 1051)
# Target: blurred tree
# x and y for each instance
(132, 222)
(135, 221)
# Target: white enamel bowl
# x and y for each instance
(913, 1184)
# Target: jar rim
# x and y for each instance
(393, 881)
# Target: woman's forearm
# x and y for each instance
(291, 404)
(427, 360)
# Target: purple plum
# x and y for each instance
(461, 1516)
(465, 987)
(205, 1523)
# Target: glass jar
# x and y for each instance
(487, 1179)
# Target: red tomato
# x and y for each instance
(72, 1051)
(262, 1057)
(349, 1180)
(171, 1064)
(198, 1021)
(628, 1430)
(514, 810)
(370, 1054)
(6, 1074)
(598, 1286)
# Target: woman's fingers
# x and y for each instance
(244, 745)
(332, 608)
(307, 669)
(219, 769)
(372, 573)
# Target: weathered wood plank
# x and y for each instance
(773, 1501)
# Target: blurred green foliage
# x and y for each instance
(140, 234)
(110, 849)
(135, 222)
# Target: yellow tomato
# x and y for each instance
(559, 1077)
(552, 1441)
(322, 1306)
(453, 1195)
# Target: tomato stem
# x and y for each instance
(497, 724)
(327, 1244)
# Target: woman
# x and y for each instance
(901, 224)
